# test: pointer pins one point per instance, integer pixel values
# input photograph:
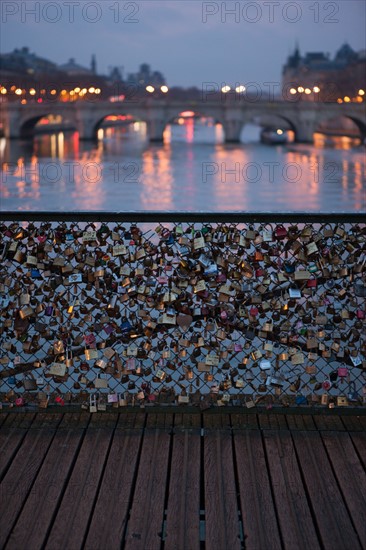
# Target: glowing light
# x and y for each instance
(23, 102)
(339, 100)
(63, 92)
(91, 90)
(39, 100)
(53, 92)
(293, 91)
(77, 90)
(361, 92)
(72, 93)
(18, 91)
(3, 91)
(279, 132)
(359, 99)
(150, 89)
(240, 89)
(97, 91)
(307, 91)
(84, 90)
(316, 89)
(164, 89)
(180, 121)
(13, 88)
(32, 91)
(300, 89)
(187, 114)
(346, 99)
(225, 89)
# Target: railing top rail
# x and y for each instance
(198, 217)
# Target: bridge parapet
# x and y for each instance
(303, 118)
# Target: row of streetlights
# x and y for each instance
(151, 89)
(316, 90)
(306, 91)
(64, 95)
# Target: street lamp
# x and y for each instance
(150, 89)
(164, 89)
(225, 89)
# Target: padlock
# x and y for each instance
(199, 241)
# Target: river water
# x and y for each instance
(192, 171)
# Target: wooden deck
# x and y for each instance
(147, 481)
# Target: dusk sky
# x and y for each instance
(190, 42)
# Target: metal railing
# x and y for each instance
(182, 308)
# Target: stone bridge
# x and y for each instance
(303, 118)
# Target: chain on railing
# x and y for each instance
(180, 308)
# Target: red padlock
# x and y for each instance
(342, 372)
(280, 232)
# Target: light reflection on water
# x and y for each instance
(193, 170)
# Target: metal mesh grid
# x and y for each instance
(182, 312)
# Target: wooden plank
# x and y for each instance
(12, 434)
(160, 421)
(70, 524)
(31, 529)
(257, 506)
(293, 511)
(353, 423)
(244, 421)
(20, 476)
(359, 441)
(110, 515)
(144, 529)
(183, 508)
(187, 421)
(216, 421)
(328, 422)
(300, 422)
(271, 421)
(222, 521)
(3, 417)
(351, 477)
(330, 511)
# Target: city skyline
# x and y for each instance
(189, 43)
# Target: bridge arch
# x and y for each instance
(189, 119)
(121, 118)
(273, 121)
(344, 125)
(27, 126)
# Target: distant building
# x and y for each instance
(22, 61)
(72, 68)
(145, 76)
(343, 75)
